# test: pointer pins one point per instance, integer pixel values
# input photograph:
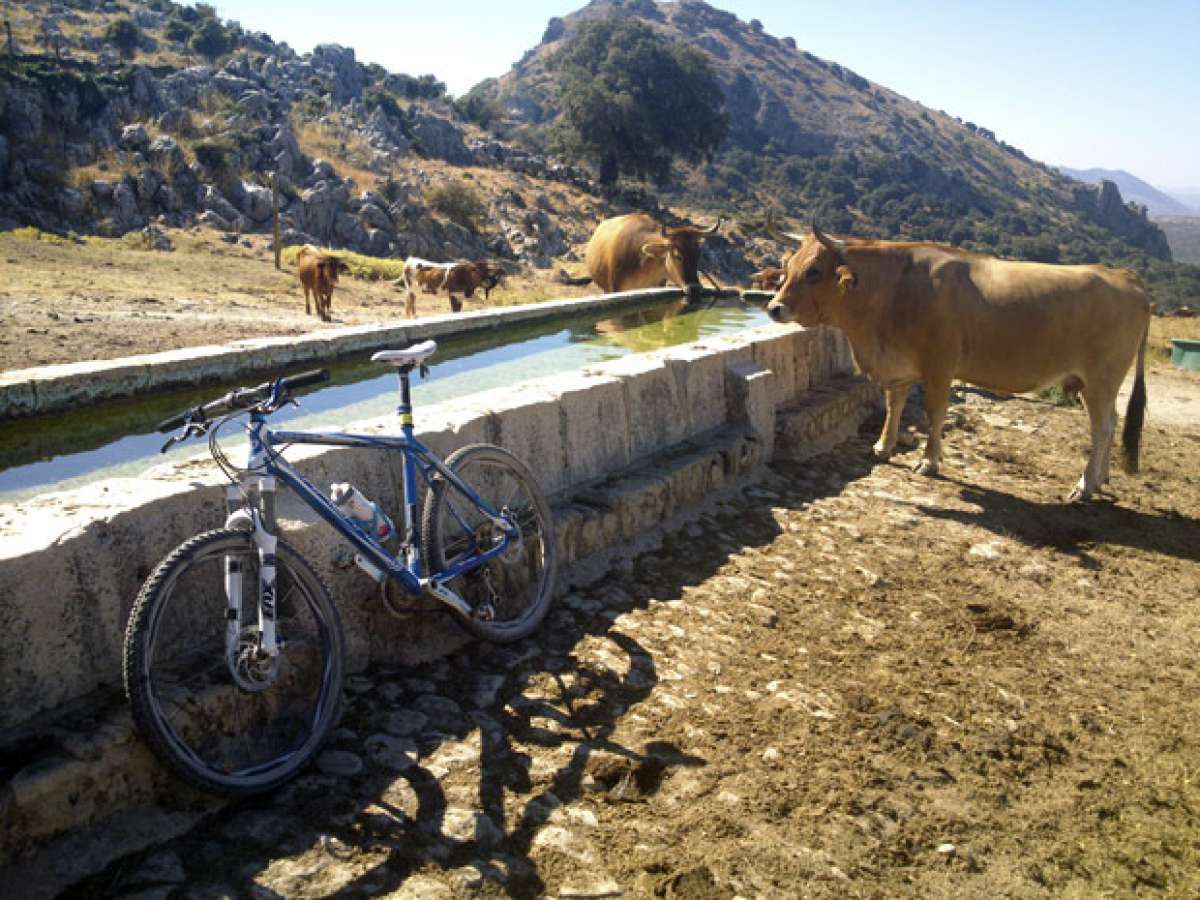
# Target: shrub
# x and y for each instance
(210, 39)
(29, 233)
(214, 153)
(358, 265)
(458, 202)
(123, 35)
(1057, 396)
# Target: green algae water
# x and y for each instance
(70, 449)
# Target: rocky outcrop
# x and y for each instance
(1106, 208)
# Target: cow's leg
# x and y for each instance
(1100, 398)
(894, 397)
(937, 398)
(307, 307)
(410, 304)
(455, 303)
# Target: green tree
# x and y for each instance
(210, 39)
(123, 35)
(633, 101)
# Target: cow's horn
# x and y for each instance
(782, 236)
(833, 245)
(712, 230)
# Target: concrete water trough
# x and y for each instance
(1185, 353)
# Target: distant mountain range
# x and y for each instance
(1136, 190)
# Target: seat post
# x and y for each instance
(405, 407)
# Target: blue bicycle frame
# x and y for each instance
(265, 460)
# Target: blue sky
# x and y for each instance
(1084, 84)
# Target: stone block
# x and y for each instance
(595, 424)
(752, 392)
(653, 403)
(526, 420)
(699, 373)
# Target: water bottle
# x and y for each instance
(362, 512)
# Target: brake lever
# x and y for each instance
(423, 370)
(193, 429)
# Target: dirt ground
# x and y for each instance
(845, 680)
(100, 300)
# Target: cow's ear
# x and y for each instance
(847, 280)
(655, 249)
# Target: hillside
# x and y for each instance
(822, 139)
(1183, 234)
(1134, 190)
(185, 126)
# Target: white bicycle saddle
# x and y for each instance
(408, 356)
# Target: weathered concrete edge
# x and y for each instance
(29, 392)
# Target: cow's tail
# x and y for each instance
(1135, 412)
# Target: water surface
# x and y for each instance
(70, 449)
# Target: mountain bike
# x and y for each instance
(234, 653)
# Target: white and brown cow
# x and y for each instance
(932, 313)
(453, 278)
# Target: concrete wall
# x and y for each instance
(27, 392)
(71, 563)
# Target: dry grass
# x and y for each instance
(348, 153)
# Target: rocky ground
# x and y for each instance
(843, 680)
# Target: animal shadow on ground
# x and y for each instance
(1073, 528)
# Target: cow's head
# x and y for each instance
(818, 275)
(489, 275)
(679, 251)
(330, 266)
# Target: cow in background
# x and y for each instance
(925, 312)
(633, 251)
(453, 278)
(318, 273)
(768, 279)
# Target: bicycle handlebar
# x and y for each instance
(242, 398)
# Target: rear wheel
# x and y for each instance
(244, 724)
(511, 594)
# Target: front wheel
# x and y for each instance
(239, 723)
(510, 594)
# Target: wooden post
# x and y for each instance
(275, 218)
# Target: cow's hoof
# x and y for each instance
(1079, 495)
(926, 467)
(881, 451)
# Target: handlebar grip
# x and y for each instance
(304, 379)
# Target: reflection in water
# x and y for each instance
(67, 450)
(652, 329)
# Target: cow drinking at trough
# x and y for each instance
(633, 251)
(931, 313)
(453, 278)
(318, 273)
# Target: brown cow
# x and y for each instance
(633, 251)
(318, 273)
(454, 278)
(931, 313)
(768, 279)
